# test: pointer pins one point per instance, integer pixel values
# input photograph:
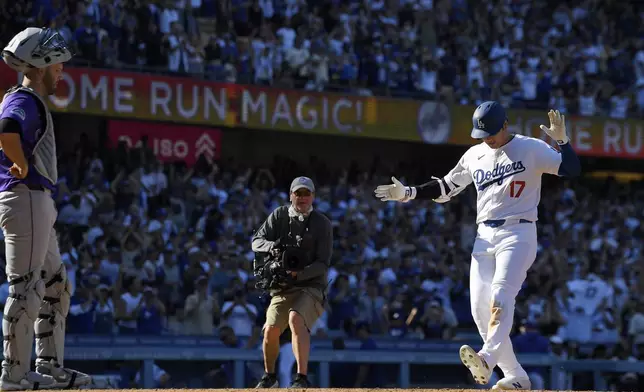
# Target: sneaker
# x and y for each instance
(476, 364)
(517, 383)
(268, 381)
(300, 381)
(32, 380)
(64, 377)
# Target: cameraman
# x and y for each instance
(296, 242)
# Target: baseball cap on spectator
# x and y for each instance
(302, 182)
(488, 119)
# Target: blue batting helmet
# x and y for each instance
(488, 119)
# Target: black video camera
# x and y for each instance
(274, 273)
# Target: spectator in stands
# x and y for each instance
(177, 49)
(104, 311)
(370, 308)
(128, 305)
(342, 303)
(341, 49)
(636, 327)
(87, 40)
(399, 315)
(81, 312)
(201, 310)
(531, 341)
(367, 375)
(437, 321)
(239, 314)
(150, 313)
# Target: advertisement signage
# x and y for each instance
(167, 99)
(195, 101)
(169, 142)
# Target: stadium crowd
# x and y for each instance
(157, 248)
(583, 56)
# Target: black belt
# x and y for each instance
(501, 222)
(35, 187)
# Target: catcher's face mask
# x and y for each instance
(52, 43)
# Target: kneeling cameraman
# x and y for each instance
(293, 249)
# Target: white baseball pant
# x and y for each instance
(501, 258)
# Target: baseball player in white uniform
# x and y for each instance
(506, 170)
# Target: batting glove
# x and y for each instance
(396, 191)
(557, 128)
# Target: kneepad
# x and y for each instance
(26, 293)
(58, 292)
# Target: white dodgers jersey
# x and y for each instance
(589, 293)
(507, 179)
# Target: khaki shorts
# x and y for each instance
(307, 302)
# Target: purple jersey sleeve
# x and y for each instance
(24, 109)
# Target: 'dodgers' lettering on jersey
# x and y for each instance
(485, 178)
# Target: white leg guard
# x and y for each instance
(50, 333)
(20, 312)
(50, 327)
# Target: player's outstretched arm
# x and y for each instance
(570, 165)
(440, 190)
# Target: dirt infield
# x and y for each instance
(308, 390)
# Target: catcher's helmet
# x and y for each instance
(36, 47)
(488, 119)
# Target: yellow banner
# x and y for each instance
(193, 101)
(592, 136)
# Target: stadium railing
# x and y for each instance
(150, 349)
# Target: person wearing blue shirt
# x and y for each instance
(80, 319)
(368, 375)
(531, 341)
(151, 312)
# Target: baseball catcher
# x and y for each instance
(39, 295)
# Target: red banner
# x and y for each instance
(169, 142)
